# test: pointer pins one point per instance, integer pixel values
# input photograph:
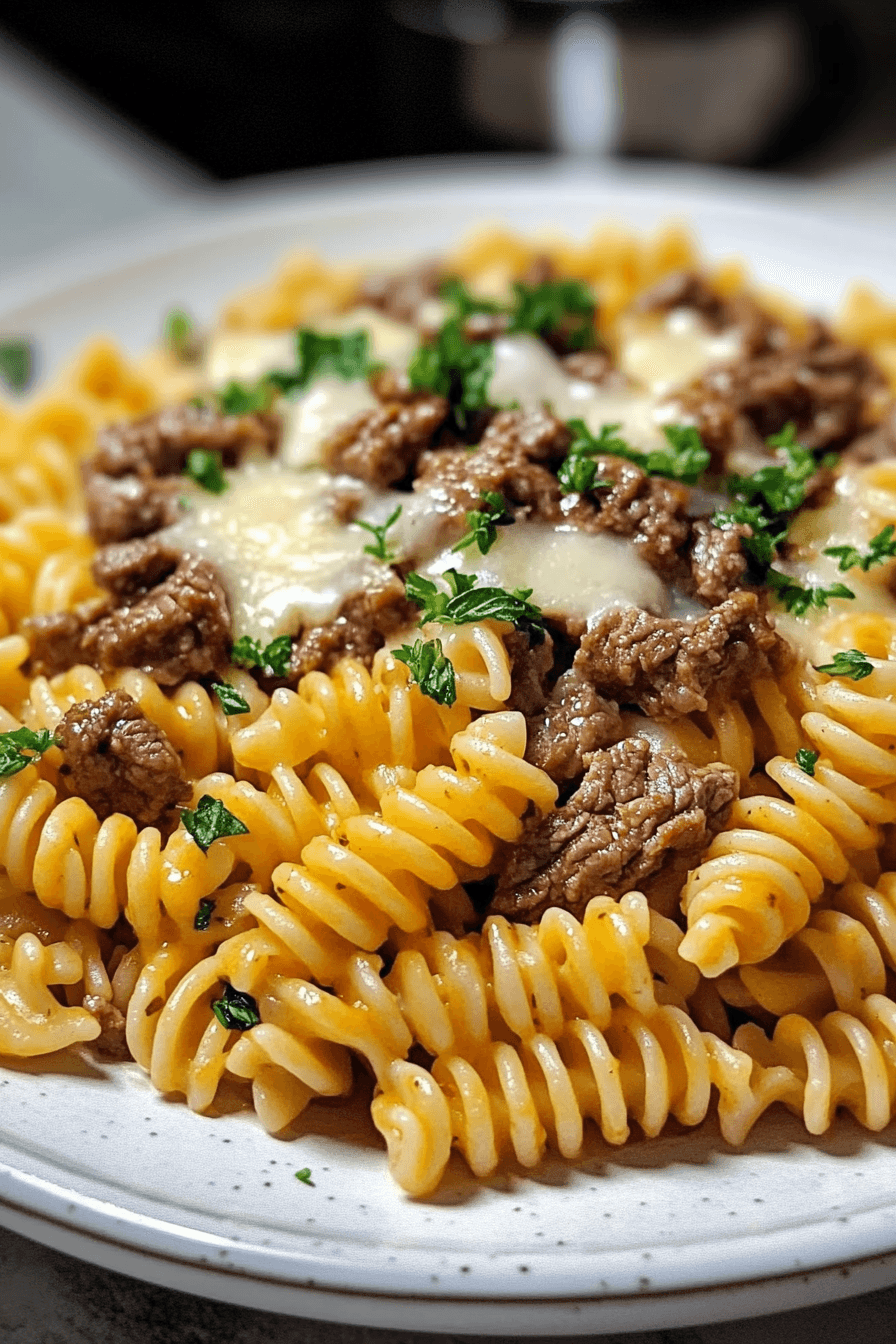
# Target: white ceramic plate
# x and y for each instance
(672, 1232)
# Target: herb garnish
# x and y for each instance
(467, 603)
(273, 658)
(378, 547)
(210, 821)
(15, 744)
(245, 398)
(235, 1010)
(465, 303)
(304, 1176)
(807, 760)
(483, 523)
(204, 467)
(430, 668)
(204, 914)
(880, 549)
(780, 488)
(229, 698)
(563, 306)
(767, 535)
(317, 352)
(456, 368)
(798, 599)
(851, 663)
(16, 363)
(685, 459)
(179, 336)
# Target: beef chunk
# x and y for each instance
(667, 666)
(365, 621)
(824, 386)
(132, 481)
(637, 806)
(574, 722)
(382, 446)
(594, 366)
(401, 295)
(117, 760)
(686, 289)
(531, 666)
(717, 560)
(651, 510)
(877, 445)
(166, 613)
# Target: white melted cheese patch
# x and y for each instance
(277, 540)
(310, 419)
(575, 574)
(676, 351)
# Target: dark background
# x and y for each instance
(243, 87)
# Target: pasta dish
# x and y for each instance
(477, 678)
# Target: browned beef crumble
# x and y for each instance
(575, 721)
(594, 366)
(166, 613)
(364, 623)
(637, 806)
(382, 446)
(650, 510)
(132, 481)
(667, 666)
(759, 331)
(118, 760)
(531, 670)
(822, 385)
(877, 445)
(401, 295)
(717, 560)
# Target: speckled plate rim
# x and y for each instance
(741, 1277)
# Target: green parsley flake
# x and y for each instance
(797, 599)
(430, 668)
(807, 760)
(483, 524)
(246, 398)
(851, 663)
(204, 914)
(780, 488)
(235, 1010)
(458, 369)
(685, 459)
(204, 467)
(211, 821)
(179, 336)
(466, 603)
(378, 548)
(229, 698)
(273, 658)
(345, 356)
(304, 1176)
(763, 545)
(16, 363)
(564, 308)
(880, 549)
(20, 747)
(463, 301)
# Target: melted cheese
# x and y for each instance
(574, 574)
(390, 342)
(276, 538)
(242, 357)
(676, 351)
(311, 418)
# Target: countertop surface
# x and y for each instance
(68, 170)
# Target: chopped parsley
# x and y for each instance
(273, 658)
(767, 535)
(454, 291)
(204, 467)
(467, 603)
(235, 1010)
(304, 1176)
(483, 523)
(578, 474)
(179, 335)
(210, 821)
(564, 307)
(245, 398)
(456, 368)
(780, 488)
(797, 599)
(851, 663)
(430, 668)
(378, 548)
(345, 355)
(16, 363)
(880, 549)
(229, 698)
(204, 914)
(685, 459)
(807, 760)
(20, 747)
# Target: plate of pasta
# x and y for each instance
(448, 755)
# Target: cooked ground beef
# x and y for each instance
(382, 446)
(687, 289)
(824, 386)
(875, 446)
(637, 805)
(132, 481)
(717, 560)
(594, 366)
(651, 510)
(365, 621)
(166, 613)
(574, 722)
(531, 666)
(401, 295)
(667, 666)
(117, 760)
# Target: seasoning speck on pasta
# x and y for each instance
(481, 676)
